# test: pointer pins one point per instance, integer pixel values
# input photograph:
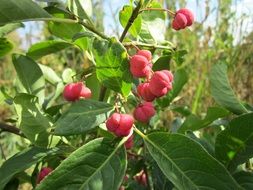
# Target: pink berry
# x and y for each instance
(85, 92)
(161, 83)
(141, 178)
(145, 93)
(120, 124)
(140, 66)
(188, 14)
(68, 92)
(130, 142)
(144, 112)
(145, 53)
(74, 91)
(43, 173)
(179, 22)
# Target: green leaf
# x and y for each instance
(30, 75)
(82, 116)
(5, 46)
(178, 56)
(17, 11)
(180, 79)
(124, 16)
(162, 63)
(194, 123)
(31, 120)
(22, 161)
(245, 179)
(62, 30)
(68, 75)
(50, 75)
(81, 8)
(222, 91)
(56, 81)
(153, 25)
(41, 49)
(95, 166)
(6, 29)
(234, 145)
(186, 164)
(160, 181)
(112, 66)
(84, 40)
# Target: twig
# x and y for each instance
(131, 20)
(123, 35)
(158, 9)
(11, 129)
(152, 46)
(72, 21)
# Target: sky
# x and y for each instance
(240, 7)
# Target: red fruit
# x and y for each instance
(188, 14)
(74, 91)
(140, 66)
(43, 173)
(141, 178)
(161, 83)
(144, 112)
(179, 22)
(144, 92)
(68, 93)
(145, 53)
(120, 124)
(85, 92)
(130, 142)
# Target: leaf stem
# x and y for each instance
(139, 132)
(158, 9)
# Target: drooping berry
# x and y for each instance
(120, 124)
(85, 92)
(140, 66)
(145, 53)
(161, 83)
(75, 91)
(141, 178)
(130, 142)
(144, 112)
(43, 173)
(68, 92)
(188, 14)
(145, 93)
(179, 22)
(183, 18)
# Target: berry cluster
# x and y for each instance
(75, 91)
(182, 19)
(157, 84)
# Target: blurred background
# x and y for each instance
(223, 32)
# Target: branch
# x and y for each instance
(123, 35)
(131, 20)
(158, 9)
(11, 129)
(152, 46)
(72, 21)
